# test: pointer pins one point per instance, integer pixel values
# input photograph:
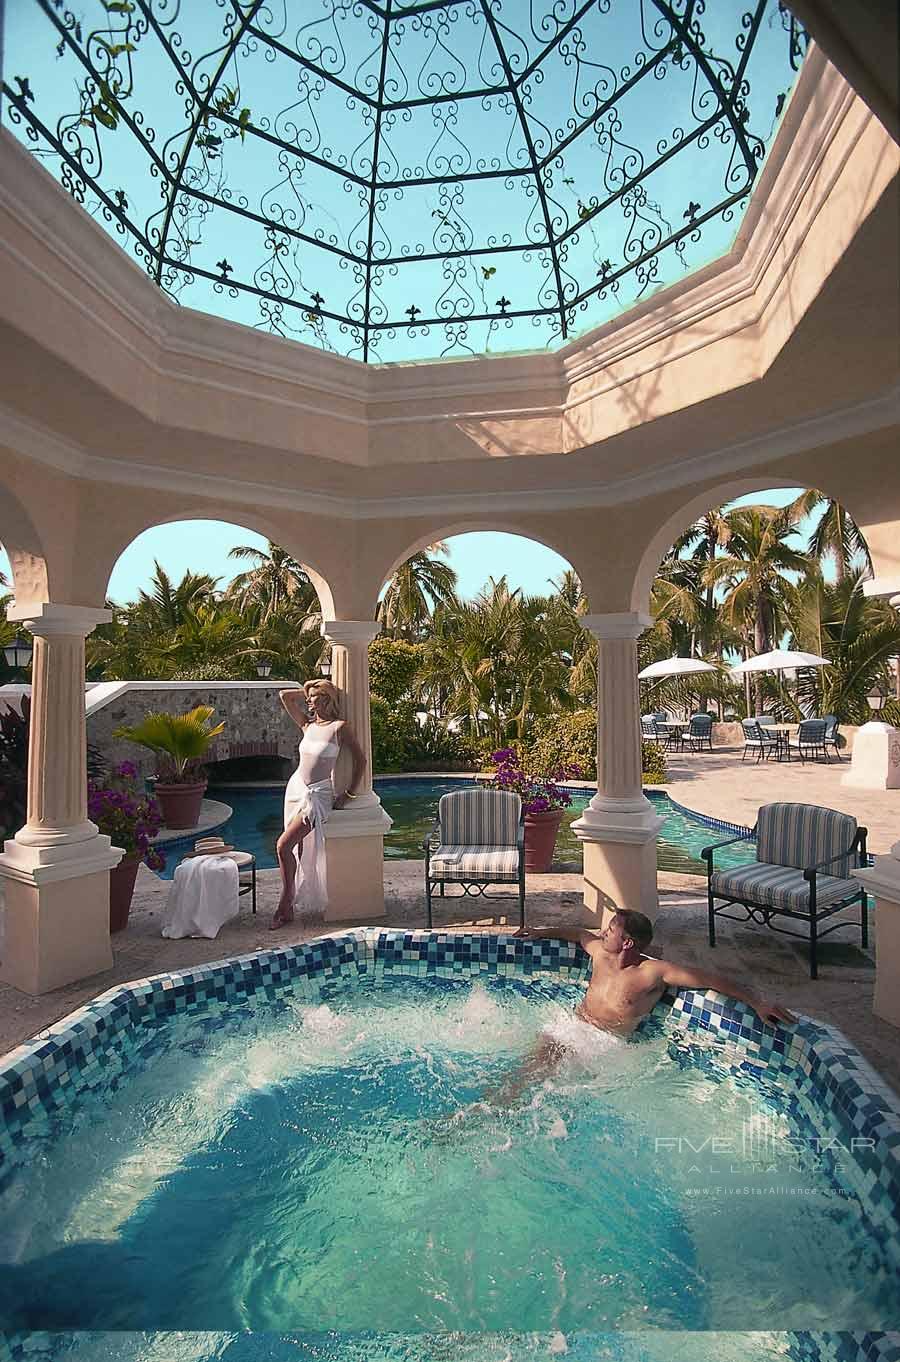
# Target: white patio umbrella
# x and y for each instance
(780, 660)
(675, 666)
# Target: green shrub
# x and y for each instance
(390, 725)
(392, 667)
(653, 763)
(571, 738)
(563, 739)
(433, 746)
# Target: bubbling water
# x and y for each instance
(339, 1160)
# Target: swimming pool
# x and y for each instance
(412, 803)
(287, 1143)
(663, 1346)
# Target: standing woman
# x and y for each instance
(309, 798)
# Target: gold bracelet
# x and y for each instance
(348, 795)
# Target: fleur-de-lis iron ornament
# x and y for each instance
(489, 173)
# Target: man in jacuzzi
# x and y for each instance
(625, 986)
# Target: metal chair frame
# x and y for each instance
(761, 743)
(475, 887)
(762, 914)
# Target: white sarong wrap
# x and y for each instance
(314, 802)
(203, 896)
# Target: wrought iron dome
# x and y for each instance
(406, 179)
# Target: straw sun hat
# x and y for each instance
(209, 846)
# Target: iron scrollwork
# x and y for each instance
(401, 178)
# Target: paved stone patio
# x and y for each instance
(718, 783)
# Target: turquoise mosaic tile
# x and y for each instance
(94, 1049)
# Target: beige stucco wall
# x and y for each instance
(774, 366)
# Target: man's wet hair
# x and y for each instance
(636, 925)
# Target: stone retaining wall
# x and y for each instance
(255, 722)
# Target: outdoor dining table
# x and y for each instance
(675, 728)
(783, 734)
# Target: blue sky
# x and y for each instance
(203, 546)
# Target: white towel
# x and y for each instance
(204, 895)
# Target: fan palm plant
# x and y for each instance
(178, 740)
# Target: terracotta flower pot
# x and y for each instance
(540, 840)
(180, 804)
(121, 889)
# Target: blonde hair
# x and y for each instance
(319, 686)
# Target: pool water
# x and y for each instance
(412, 803)
(332, 1346)
(332, 1161)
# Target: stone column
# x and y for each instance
(618, 828)
(883, 881)
(355, 834)
(56, 869)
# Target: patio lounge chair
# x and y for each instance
(699, 734)
(804, 856)
(831, 734)
(477, 840)
(810, 740)
(757, 740)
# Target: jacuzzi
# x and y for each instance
(310, 1147)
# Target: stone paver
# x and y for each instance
(718, 783)
(842, 995)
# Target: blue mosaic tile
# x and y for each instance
(95, 1048)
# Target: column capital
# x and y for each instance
(628, 624)
(47, 619)
(344, 632)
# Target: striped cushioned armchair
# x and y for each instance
(477, 840)
(804, 859)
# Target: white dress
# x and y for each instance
(310, 792)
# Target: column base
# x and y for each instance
(883, 882)
(619, 851)
(57, 913)
(354, 847)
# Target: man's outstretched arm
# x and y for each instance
(680, 976)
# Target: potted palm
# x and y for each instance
(179, 742)
(124, 813)
(544, 804)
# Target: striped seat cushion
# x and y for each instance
(475, 863)
(781, 886)
(804, 835)
(479, 818)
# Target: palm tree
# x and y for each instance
(858, 635)
(166, 606)
(414, 591)
(499, 661)
(756, 573)
(835, 535)
(274, 581)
